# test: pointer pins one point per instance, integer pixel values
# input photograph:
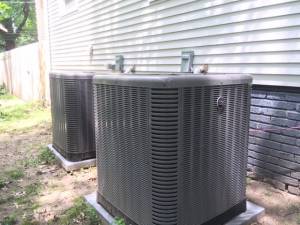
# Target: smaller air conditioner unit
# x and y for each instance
(172, 149)
(72, 108)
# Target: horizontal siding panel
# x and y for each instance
(236, 48)
(179, 14)
(249, 58)
(251, 36)
(181, 31)
(195, 19)
(292, 69)
(139, 8)
(244, 37)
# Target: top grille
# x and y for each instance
(73, 116)
(171, 150)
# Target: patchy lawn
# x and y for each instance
(34, 190)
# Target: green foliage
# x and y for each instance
(5, 200)
(31, 162)
(11, 16)
(29, 33)
(119, 221)
(2, 183)
(25, 197)
(15, 174)
(5, 11)
(14, 112)
(3, 91)
(80, 213)
(46, 157)
(17, 115)
(9, 220)
(32, 189)
(28, 221)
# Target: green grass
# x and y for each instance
(31, 162)
(119, 221)
(17, 115)
(12, 220)
(15, 174)
(33, 189)
(6, 199)
(28, 221)
(4, 95)
(9, 220)
(44, 157)
(80, 213)
(2, 183)
(29, 192)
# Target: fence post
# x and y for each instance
(43, 46)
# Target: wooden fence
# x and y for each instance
(20, 73)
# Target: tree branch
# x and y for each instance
(2, 28)
(25, 17)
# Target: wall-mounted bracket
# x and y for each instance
(119, 66)
(187, 60)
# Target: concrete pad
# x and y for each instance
(105, 217)
(71, 166)
(250, 216)
(253, 213)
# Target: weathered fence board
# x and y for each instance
(20, 72)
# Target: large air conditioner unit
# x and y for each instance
(72, 107)
(172, 149)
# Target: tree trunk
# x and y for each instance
(9, 37)
(10, 44)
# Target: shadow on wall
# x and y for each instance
(274, 144)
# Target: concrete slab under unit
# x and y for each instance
(253, 213)
(250, 216)
(71, 166)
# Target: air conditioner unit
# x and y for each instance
(172, 149)
(72, 106)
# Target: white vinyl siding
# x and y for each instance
(232, 36)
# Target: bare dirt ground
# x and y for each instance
(57, 189)
(281, 207)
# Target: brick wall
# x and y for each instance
(275, 154)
